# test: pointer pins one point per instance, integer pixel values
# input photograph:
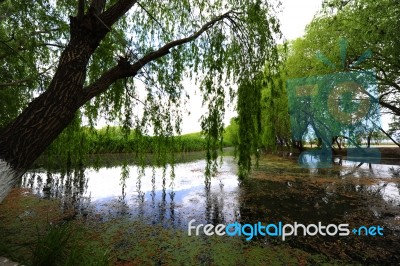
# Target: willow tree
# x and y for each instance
(97, 58)
(353, 36)
(366, 25)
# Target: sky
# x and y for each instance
(294, 17)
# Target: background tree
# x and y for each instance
(368, 25)
(371, 43)
(125, 55)
(231, 133)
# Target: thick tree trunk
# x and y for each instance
(369, 140)
(31, 133)
(22, 142)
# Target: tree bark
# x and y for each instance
(42, 121)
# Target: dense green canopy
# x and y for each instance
(219, 44)
(355, 36)
(370, 30)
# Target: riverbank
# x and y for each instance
(388, 154)
(26, 225)
(385, 151)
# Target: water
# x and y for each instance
(159, 195)
(154, 195)
(279, 190)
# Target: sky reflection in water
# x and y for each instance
(155, 197)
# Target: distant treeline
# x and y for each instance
(112, 140)
(73, 148)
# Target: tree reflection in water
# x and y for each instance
(172, 197)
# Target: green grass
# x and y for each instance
(68, 152)
(114, 140)
(46, 238)
(135, 243)
(66, 245)
(34, 231)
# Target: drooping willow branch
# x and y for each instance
(126, 69)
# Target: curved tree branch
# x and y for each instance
(115, 12)
(14, 83)
(391, 107)
(20, 82)
(126, 69)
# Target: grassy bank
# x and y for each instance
(73, 149)
(114, 141)
(33, 235)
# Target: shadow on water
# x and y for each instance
(279, 190)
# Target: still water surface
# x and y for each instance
(279, 190)
(158, 195)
